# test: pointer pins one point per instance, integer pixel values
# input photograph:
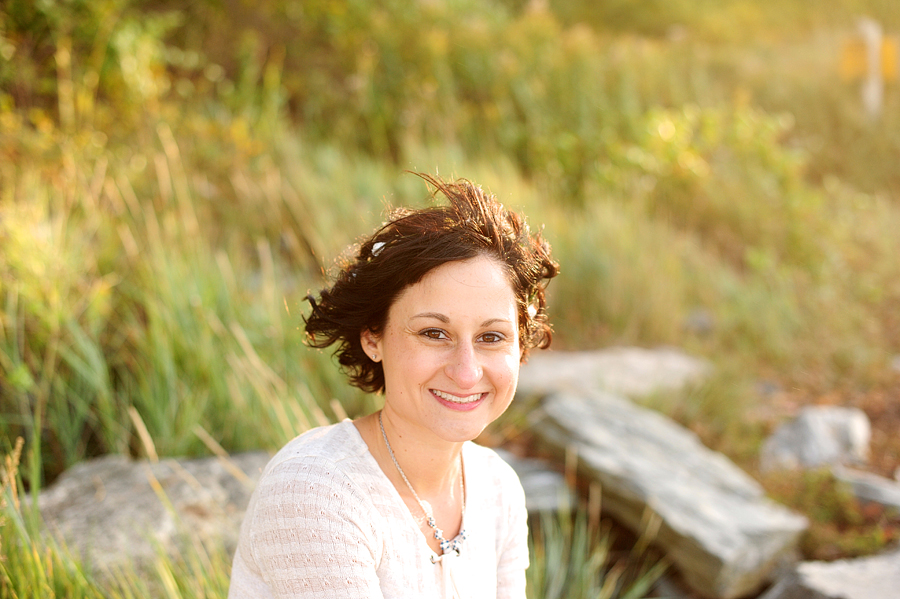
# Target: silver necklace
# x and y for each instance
(446, 546)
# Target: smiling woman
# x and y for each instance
(450, 352)
(436, 311)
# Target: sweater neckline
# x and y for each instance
(395, 494)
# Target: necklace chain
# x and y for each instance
(446, 546)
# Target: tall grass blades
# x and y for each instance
(571, 559)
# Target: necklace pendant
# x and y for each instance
(447, 547)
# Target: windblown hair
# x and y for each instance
(411, 244)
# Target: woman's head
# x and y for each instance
(410, 245)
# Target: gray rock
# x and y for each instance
(717, 527)
(628, 371)
(871, 487)
(108, 511)
(545, 488)
(875, 577)
(820, 435)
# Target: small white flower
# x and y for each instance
(532, 311)
(377, 247)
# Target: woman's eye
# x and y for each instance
(433, 333)
(492, 337)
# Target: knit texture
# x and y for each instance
(325, 522)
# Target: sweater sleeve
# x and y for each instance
(311, 534)
(513, 559)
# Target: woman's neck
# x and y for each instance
(432, 465)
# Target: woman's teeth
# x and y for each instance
(455, 399)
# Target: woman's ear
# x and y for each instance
(371, 344)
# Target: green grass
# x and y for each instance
(574, 555)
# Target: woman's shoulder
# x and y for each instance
(335, 451)
(336, 441)
(318, 494)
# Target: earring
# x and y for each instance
(374, 357)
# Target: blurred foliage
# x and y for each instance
(719, 20)
(544, 83)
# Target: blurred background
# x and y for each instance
(175, 177)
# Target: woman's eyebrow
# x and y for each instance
(436, 315)
(443, 318)
(491, 321)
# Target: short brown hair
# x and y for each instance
(406, 248)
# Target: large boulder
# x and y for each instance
(876, 577)
(626, 371)
(115, 511)
(723, 534)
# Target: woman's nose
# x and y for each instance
(464, 367)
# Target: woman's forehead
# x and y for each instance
(478, 287)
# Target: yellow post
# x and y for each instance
(853, 65)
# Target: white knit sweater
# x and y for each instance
(326, 522)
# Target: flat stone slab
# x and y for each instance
(626, 371)
(876, 577)
(725, 537)
(108, 512)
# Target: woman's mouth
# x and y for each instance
(466, 402)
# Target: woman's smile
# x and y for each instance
(454, 399)
(462, 404)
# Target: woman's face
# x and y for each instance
(450, 350)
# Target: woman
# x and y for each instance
(436, 311)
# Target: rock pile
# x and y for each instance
(835, 437)
(716, 525)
